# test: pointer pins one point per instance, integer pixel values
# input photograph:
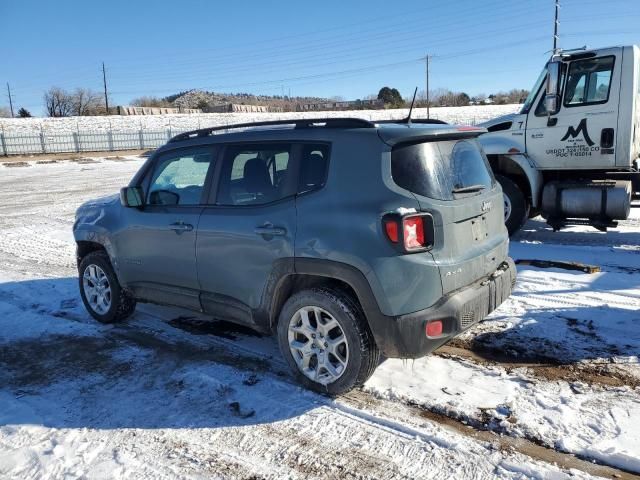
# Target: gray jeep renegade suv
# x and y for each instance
(348, 239)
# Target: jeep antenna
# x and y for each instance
(408, 119)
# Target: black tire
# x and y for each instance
(519, 204)
(364, 355)
(122, 304)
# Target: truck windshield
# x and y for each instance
(443, 170)
(534, 91)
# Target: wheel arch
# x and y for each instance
(85, 247)
(518, 169)
(310, 272)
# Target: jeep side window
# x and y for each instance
(255, 175)
(314, 162)
(178, 178)
(589, 81)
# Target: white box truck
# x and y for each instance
(571, 153)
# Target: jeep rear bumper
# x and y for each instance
(405, 336)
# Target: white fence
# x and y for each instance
(76, 142)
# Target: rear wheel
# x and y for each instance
(326, 341)
(101, 293)
(516, 207)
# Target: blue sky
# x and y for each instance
(328, 48)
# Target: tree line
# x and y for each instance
(443, 97)
(59, 102)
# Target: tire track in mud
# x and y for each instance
(603, 373)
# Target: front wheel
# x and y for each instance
(324, 337)
(101, 293)
(516, 207)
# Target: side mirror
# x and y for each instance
(131, 197)
(552, 98)
(552, 104)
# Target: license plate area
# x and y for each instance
(479, 230)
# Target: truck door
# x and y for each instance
(582, 134)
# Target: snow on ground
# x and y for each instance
(464, 115)
(164, 395)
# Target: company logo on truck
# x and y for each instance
(579, 143)
(581, 128)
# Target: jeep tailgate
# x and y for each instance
(452, 181)
(471, 240)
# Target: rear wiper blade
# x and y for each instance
(469, 189)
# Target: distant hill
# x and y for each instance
(205, 100)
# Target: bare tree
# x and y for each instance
(86, 102)
(150, 102)
(5, 112)
(58, 102)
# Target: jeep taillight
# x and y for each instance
(411, 233)
(391, 229)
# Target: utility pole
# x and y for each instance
(427, 60)
(10, 100)
(555, 28)
(104, 80)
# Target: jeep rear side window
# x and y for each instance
(314, 163)
(589, 81)
(255, 175)
(441, 170)
(178, 178)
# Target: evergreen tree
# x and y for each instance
(24, 113)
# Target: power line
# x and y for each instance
(407, 61)
(390, 35)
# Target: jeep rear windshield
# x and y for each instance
(443, 170)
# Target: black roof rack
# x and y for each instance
(298, 123)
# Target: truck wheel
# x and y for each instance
(516, 207)
(101, 293)
(324, 337)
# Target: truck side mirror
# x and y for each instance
(552, 104)
(552, 98)
(131, 197)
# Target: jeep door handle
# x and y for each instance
(180, 227)
(268, 229)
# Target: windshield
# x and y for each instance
(441, 170)
(534, 91)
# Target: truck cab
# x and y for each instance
(571, 152)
